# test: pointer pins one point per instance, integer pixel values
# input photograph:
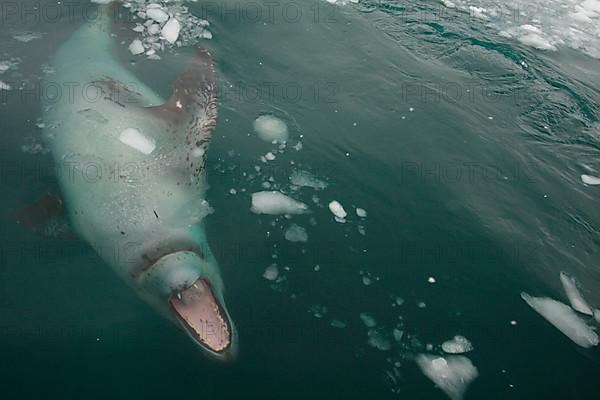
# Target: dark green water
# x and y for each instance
(464, 146)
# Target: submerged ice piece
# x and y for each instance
(452, 374)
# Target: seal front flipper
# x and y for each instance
(192, 108)
(46, 217)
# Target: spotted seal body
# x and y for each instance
(132, 178)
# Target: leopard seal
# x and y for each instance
(133, 180)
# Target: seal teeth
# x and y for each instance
(196, 286)
(179, 296)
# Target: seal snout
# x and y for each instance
(204, 318)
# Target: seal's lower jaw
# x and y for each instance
(202, 316)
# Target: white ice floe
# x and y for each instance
(452, 374)
(137, 140)
(153, 29)
(296, 233)
(564, 319)
(551, 24)
(275, 203)
(271, 128)
(136, 47)
(457, 345)
(171, 30)
(338, 210)
(164, 24)
(361, 212)
(575, 298)
(4, 86)
(590, 180)
(271, 272)
(157, 15)
(269, 156)
(368, 320)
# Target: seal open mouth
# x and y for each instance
(201, 314)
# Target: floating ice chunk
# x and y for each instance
(336, 209)
(171, 30)
(296, 233)
(458, 345)
(137, 140)
(269, 156)
(271, 128)
(368, 320)
(590, 180)
(564, 319)
(536, 40)
(271, 272)
(138, 28)
(275, 203)
(452, 374)
(4, 86)
(6, 65)
(575, 298)
(361, 212)
(336, 323)
(398, 334)
(378, 340)
(26, 37)
(153, 29)
(157, 14)
(306, 179)
(33, 146)
(318, 311)
(136, 47)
